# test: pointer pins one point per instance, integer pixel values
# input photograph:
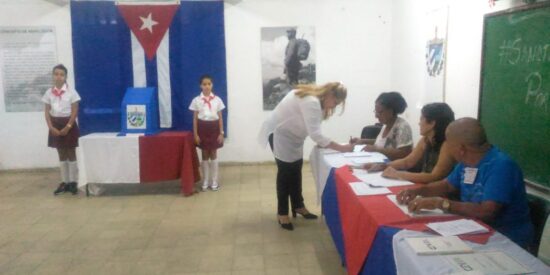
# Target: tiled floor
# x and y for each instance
(154, 230)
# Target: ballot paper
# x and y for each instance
(363, 189)
(357, 154)
(421, 213)
(372, 157)
(491, 262)
(376, 179)
(438, 245)
(457, 227)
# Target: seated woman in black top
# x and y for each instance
(430, 152)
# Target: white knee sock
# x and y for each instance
(205, 174)
(73, 171)
(64, 171)
(214, 171)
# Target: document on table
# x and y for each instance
(376, 179)
(363, 189)
(421, 213)
(368, 157)
(438, 245)
(358, 154)
(358, 148)
(457, 227)
(495, 263)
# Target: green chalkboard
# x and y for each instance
(515, 87)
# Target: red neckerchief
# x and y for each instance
(58, 92)
(207, 99)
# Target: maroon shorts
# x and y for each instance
(208, 133)
(68, 141)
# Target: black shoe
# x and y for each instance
(287, 226)
(72, 188)
(307, 216)
(60, 189)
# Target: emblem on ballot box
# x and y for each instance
(140, 111)
(136, 116)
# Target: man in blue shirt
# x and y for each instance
(487, 181)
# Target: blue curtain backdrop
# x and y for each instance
(102, 54)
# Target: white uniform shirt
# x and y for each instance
(400, 135)
(61, 105)
(206, 112)
(291, 122)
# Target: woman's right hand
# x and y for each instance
(374, 167)
(354, 140)
(55, 132)
(346, 148)
(197, 140)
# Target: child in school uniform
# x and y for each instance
(61, 111)
(208, 130)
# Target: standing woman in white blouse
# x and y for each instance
(296, 117)
(61, 111)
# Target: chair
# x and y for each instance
(371, 131)
(544, 246)
(539, 209)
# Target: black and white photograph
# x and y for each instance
(288, 59)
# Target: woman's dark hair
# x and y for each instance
(205, 76)
(443, 115)
(393, 101)
(60, 67)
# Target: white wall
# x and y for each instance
(465, 27)
(23, 136)
(353, 46)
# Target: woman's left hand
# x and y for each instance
(64, 131)
(391, 173)
(220, 138)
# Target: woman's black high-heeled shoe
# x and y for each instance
(287, 226)
(307, 216)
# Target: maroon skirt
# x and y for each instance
(68, 141)
(208, 133)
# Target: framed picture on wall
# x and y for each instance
(288, 59)
(436, 54)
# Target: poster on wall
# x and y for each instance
(288, 59)
(436, 55)
(27, 56)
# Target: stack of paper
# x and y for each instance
(358, 148)
(421, 213)
(438, 245)
(357, 154)
(376, 179)
(486, 263)
(457, 227)
(369, 157)
(363, 189)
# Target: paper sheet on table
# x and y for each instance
(495, 262)
(421, 213)
(372, 157)
(363, 189)
(357, 154)
(358, 148)
(457, 227)
(376, 179)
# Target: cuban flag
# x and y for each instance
(166, 45)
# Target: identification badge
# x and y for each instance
(470, 175)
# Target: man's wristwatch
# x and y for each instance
(446, 205)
